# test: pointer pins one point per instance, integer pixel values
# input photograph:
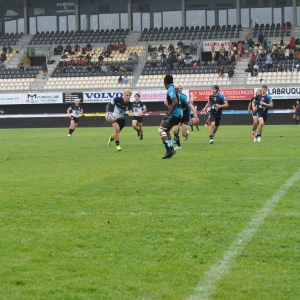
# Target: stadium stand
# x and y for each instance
(10, 39)
(79, 36)
(272, 30)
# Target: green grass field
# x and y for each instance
(81, 221)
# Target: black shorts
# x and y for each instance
(254, 113)
(74, 119)
(172, 120)
(215, 117)
(121, 123)
(263, 115)
(185, 120)
(139, 119)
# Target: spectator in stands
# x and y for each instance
(232, 57)
(261, 38)
(130, 68)
(123, 47)
(222, 49)
(3, 56)
(120, 80)
(253, 57)
(262, 56)
(256, 67)
(269, 61)
(160, 48)
(77, 48)
(97, 67)
(61, 66)
(136, 57)
(298, 54)
(104, 49)
(117, 67)
(90, 69)
(103, 68)
(163, 56)
(180, 63)
(180, 45)
(279, 67)
(291, 55)
(44, 69)
(265, 43)
(26, 67)
(151, 49)
(282, 43)
(250, 67)
(100, 58)
(285, 68)
(122, 68)
(221, 71)
(153, 55)
(240, 50)
(88, 47)
(21, 66)
(187, 61)
(59, 49)
(131, 56)
(281, 55)
(171, 48)
(269, 46)
(287, 31)
(246, 48)
(68, 48)
(88, 57)
(125, 79)
(230, 73)
(292, 43)
(4, 48)
(8, 50)
(192, 49)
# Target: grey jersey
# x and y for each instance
(138, 107)
(121, 109)
(75, 110)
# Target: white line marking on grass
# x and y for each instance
(209, 281)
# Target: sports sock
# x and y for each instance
(71, 131)
(192, 127)
(253, 130)
(117, 143)
(197, 127)
(211, 137)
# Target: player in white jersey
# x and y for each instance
(122, 108)
(138, 110)
(74, 112)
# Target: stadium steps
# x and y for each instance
(39, 82)
(21, 47)
(133, 38)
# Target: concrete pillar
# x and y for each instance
(129, 10)
(238, 12)
(26, 20)
(77, 17)
(294, 23)
(183, 14)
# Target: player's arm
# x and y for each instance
(144, 109)
(270, 104)
(254, 104)
(249, 107)
(173, 106)
(194, 111)
(166, 103)
(205, 107)
(225, 103)
(69, 112)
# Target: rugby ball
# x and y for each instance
(109, 116)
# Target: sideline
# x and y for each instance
(209, 281)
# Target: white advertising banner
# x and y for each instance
(11, 99)
(283, 92)
(42, 98)
(97, 97)
(207, 45)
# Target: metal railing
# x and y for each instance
(138, 70)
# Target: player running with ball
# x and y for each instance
(122, 108)
(217, 102)
(74, 112)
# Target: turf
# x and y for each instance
(82, 221)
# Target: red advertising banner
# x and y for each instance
(230, 94)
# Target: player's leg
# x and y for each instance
(254, 126)
(135, 126)
(141, 130)
(72, 126)
(212, 131)
(261, 121)
(192, 124)
(176, 135)
(297, 119)
(185, 133)
(117, 129)
(164, 132)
